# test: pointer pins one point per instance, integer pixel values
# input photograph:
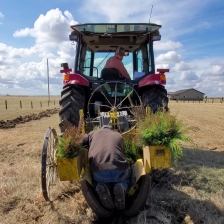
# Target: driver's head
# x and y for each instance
(120, 53)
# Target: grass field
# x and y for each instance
(191, 192)
(39, 103)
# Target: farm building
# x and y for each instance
(186, 94)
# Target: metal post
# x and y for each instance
(48, 81)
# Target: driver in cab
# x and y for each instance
(116, 62)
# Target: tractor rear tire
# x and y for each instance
(94, 204)
(72, 100)
(155, 97)
(141, 196)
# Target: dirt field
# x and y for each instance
(191, 192)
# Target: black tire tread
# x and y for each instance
(92, 201)
(72, 100)
(155, 97)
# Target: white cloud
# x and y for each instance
(166, 45)
(169, 57)
(118, 11)
(70, 18)
(207, 77)
(216, 69)
(183, 66)
(188, 76)
(23, 32)
(1, 16)
(51, 28)
(29, 65)
(218, 62)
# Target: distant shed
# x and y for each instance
(186, 94)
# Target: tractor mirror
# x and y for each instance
(64, 65)
(156, 37)
(73, 37)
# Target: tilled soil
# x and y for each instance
(23, 119)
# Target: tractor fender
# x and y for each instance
(153, 79)
(77, 79)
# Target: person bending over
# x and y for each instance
(109, 166)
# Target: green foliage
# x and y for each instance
(96, 127)
(70, 143)
(163, 129)
(132, 151)
(160, 128)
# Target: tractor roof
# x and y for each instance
(116, 28)
(106, 36)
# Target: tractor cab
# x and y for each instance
(96, 43)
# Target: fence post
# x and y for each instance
(212, 100)
(40, 104)
(54, 102)
(6, 106)
(31, 104)
(48, 102)
(20, 104)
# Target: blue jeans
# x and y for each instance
(113, 176)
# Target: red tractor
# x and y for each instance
(104, 96)
(96, 89)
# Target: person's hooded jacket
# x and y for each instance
(106, 150)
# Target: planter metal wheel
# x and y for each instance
(49, 174)
(114, 99)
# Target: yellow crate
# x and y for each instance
(156, 157)
(72, 169)
(68, 169)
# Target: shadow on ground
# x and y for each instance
(185, 194)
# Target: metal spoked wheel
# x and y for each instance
(49, 174)
(115, 97)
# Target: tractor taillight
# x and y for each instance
(162, 77)
(66, 77)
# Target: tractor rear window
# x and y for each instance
(100, 59)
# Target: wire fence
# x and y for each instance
(41, 104)
(205, 100)
(27, 103)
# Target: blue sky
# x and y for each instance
(192, 44)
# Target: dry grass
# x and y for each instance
(13, 105)
(191, 192)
